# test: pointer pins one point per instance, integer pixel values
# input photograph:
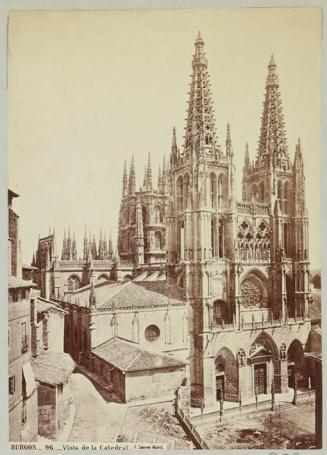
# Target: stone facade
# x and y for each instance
(142, 228)
(22, 386)
(53, 409)
(88, 326)
(243, 265)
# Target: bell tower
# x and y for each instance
(199, 221)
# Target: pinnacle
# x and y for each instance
(199, 40)
(272, 61)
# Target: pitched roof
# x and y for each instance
(52, 367)
(119, 296)
(15, 282)
(45, 305)
(127, 356)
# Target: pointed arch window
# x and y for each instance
(213, 190)
(286, 196)
(180, 194)
(285, 239)
(220, 192)
(186, 184)
(213, 237)
(254, 191)
(262, 192)
(220, 239)
(280, 190)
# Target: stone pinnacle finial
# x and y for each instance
(272, 61)
(149, 174)
(199, 39)
(132, 177)
(174, 144)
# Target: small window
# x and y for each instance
(152, 333)
(11, 385)
(24, 339)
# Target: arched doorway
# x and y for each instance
(296, 365)
(226, 371)
(266, 364)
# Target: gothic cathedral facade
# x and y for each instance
(243, 265)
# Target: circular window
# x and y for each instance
(152, 333)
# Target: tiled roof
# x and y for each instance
(45, 305)
(127, 356)
(53, 367)
(162, 287)
(115, 295)
(15, 282)
(131, 294)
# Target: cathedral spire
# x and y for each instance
(64, 246)
(174, 149)
(159, 179)
(272, 151)
(132, 177)
(94, 248)
(299, 182)
(247, 156)
(110, 247)
(74, 248)
(148, 185)
(125, 180)
(85, 245)
(69, 245)
(200, 137)
(144, 177)
(229, 146)
(164, 174)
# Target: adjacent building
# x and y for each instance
(22, 385)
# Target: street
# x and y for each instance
(95, 420)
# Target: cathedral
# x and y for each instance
(241, 267)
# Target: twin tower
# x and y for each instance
(240, 262)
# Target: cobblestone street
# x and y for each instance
(95, 420)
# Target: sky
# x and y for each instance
(86, 90)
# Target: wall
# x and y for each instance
(159, 385)
(47, 397)
(19, 312)
(172, 323)
(244, 339)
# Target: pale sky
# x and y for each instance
(89, 89)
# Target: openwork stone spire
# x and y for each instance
(132, 177)
(200, 138)
(272, 151)
(125, 180)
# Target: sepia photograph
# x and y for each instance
(164, 274)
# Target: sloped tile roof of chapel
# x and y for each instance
(53, 367)
(127, 356)
(135, 295)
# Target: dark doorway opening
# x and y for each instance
(260, 378)
(220, 387)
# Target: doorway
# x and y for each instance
(260, 378)
(220, 387)
(291, 374)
